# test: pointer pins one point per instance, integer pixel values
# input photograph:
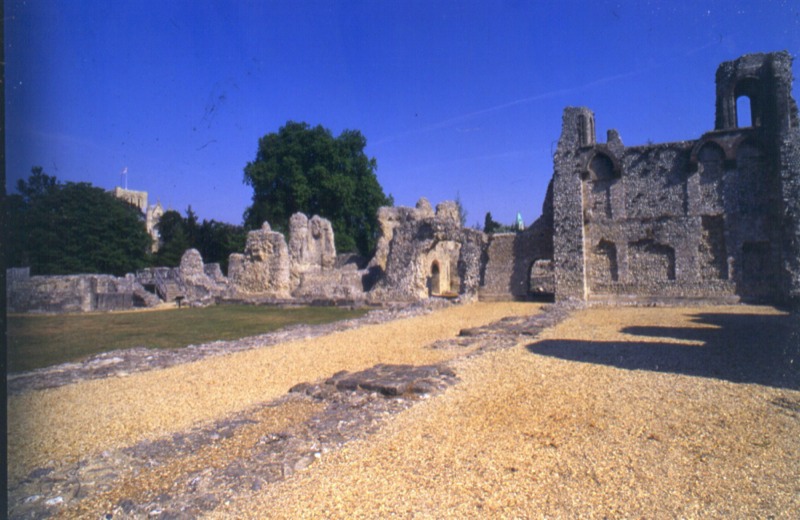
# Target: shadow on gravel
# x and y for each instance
(742, 348)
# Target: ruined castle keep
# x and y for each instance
(715, 219)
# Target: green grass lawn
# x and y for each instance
(40, 341)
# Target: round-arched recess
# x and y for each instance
(712, 157)
(601, 168)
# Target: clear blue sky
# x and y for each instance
(454, 97)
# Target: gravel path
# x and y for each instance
(61, 425)
(614, 413)
(635, 412)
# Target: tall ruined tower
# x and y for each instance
(765, 80)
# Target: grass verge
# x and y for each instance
(40, 341)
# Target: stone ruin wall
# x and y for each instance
(311, 246)
(423, 253)
(71, 293)
(200, 282)
(713, 219)
(389, 219)
(305, 268)
(264, 267)
(420, 253)
(315, 270)
(655, 231)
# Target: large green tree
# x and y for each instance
(72, 228)
(306, 169)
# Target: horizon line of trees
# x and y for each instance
(70, 228)
(58, 228)
(490, 225)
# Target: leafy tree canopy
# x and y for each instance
(73, 228)
(215, 240)
(306, 169)
(37, 185)
(174, 240)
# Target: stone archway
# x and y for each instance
(541, 282)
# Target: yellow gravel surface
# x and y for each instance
(64, 424)
(527, 435)
(145, 486)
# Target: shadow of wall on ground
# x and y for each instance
(741, 348)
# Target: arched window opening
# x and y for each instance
(585, 130)
(744, 112)
(747, 96)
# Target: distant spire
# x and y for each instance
(520, 224)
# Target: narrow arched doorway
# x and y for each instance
(436, 279)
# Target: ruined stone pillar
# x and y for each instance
(567, 203)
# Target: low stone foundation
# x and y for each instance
(75, 293)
